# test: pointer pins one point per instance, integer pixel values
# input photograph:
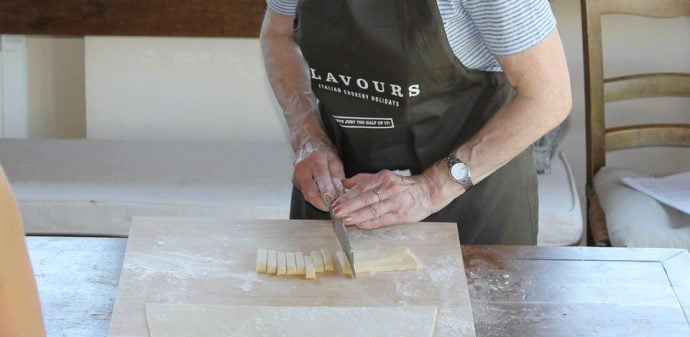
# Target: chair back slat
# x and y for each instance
(657, 8)
(646, 85)
(626, 137)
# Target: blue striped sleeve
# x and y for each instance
(285, 7)
(511, 26)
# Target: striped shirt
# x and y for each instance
(480, 30)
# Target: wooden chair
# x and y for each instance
(600, 90)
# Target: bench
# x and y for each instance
(94, 187)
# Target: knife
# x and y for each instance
(343, 239)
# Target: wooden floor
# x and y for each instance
(77, 281)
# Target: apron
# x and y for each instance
(393, 95)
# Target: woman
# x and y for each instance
(20, 310)
(451, 92)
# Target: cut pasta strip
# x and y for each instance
(261, 259)
(327, 260)
(290, 264)
(343, 263)
(282, 264)
(318, 260)
(299, 261)
(272, 262)
(309, 268)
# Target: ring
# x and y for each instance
(377, 191)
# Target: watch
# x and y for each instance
(459, 171)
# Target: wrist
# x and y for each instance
(303, 146)
(442, 188)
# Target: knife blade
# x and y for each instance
(343, 239)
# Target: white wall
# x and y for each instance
(56, 87)
(196, 89)
(14, 121)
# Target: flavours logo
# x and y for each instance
(372, 90)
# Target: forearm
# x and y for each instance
(317, 166)
(512, 130)
(543, 101)
(288, 74)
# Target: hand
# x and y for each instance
(318, 174)
(383, 199)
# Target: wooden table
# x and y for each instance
(205, 261)
(578, 291)
(515, 291)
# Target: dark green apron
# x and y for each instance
(393, 95)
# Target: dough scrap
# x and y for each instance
(386, 259)
(181, 320)
(261, 259)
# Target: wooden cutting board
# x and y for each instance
(212, 262)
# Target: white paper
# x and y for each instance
(181, 320)
(673, 190)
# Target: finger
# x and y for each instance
(336, 168)
(357, 179)
(327, 191)
(339, 188)
(364, 182)
(382, 221)
(362, 200)
(371, 212)
(304, 181)
(313, 195)
(324, 182)
(337, 177)
(360, 194)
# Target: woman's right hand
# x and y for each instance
(318, 174)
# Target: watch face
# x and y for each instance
(458, 171)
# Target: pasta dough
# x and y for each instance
(180, 320)
(374, 260)
(388, 259)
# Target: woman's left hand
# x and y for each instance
(384, 199)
